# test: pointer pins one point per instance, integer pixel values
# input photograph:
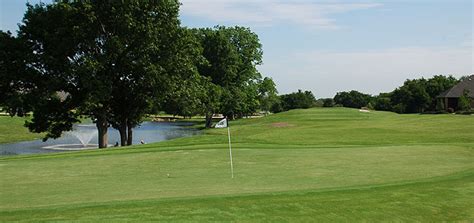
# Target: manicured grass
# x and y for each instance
(12, 130)
(304, 165)
(448, 199)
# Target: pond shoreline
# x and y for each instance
(148, 132)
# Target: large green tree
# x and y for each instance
(231, 54)
(109, 57)
(14, 75)
(166, 77)
(186, 88)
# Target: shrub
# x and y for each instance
(465, 112)
(328, 102)
(296, 100)
(464, 103)
(352, 99)
(370, 106)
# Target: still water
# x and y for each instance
(148, 132)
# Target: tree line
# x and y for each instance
(414, 96)
(116, 61)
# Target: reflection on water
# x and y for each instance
(148, 132)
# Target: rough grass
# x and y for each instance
(321, 165)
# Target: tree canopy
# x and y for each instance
(111, 59)
(414, 96)
(231, 55)
(114, 61)
(419, 95)
(295, 100)
(352, 99)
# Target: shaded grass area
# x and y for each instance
(12, 130)
(316, 164)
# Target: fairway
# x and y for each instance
(316, 164)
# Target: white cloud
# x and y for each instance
(269, 13)
(375, 71)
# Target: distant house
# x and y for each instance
(450, 98)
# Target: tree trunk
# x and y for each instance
(123, 134)
(208, 120)
(102, 127)
(130, 134)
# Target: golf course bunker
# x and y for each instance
(282, 125)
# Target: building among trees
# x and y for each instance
(453, 98)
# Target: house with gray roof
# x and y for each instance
(450, 98)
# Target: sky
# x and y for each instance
(327, 46)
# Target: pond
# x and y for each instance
(87, 134)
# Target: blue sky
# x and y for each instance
(328, 46)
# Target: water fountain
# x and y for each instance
(84, 135)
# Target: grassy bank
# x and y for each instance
(12, 130)
(304, 165)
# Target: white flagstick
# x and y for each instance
(230, 152)
(222, 124)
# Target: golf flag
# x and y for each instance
(221, 124)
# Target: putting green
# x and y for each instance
(316, 164)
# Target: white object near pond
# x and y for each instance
(71, 147)
(83, 135)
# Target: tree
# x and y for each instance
(328, 102)
(417, 95)
(45, 69)
(267, 94)
(437, 85)
(211, 101)
(14, 75)
(231, 56)
(109, 57)
(352, 99)
(277, 106)
(464, 103)
(159, 74)
(297, 100)
(382, 102)
(411, 97)
(187, 97)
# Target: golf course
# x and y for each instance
(319, 164)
